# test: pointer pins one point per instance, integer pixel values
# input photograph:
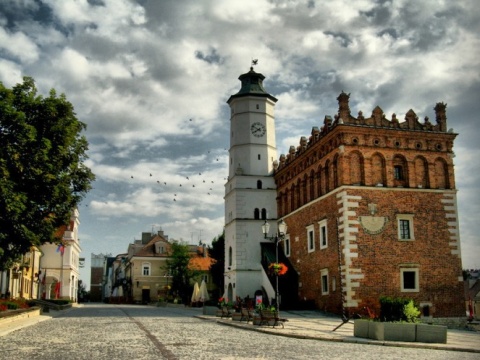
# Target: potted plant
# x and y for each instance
(278, 268)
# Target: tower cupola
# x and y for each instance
(252, 84)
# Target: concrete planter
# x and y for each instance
(431, 333)
(360, 328)
(376, 330)
(407, 332)
(210, 310)
(399, 332)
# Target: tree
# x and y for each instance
(42, 172)
(181, 273)
(217, 269)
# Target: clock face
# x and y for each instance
(257, 129)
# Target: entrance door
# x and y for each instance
(145, 296)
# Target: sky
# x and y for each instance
(151, 80)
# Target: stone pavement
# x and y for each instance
(313, 325)
(318, 326)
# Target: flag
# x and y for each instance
(61, 249)
(57, 290)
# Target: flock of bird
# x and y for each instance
(186, 184)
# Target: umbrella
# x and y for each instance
(203, 292)
(196, 293)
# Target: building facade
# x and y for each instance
(372, 211)
(370, 205)
(60, 263)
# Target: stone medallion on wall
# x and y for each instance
(373, 224)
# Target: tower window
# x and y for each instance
(264, 214)
(259, 184)
(258, 106)
(256, 214)
(259, 157)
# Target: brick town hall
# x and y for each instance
(370, 206)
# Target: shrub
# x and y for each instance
(392, 309)
(411, 312)
(11, 305)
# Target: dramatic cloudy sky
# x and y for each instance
(151, 78)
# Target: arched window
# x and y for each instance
(230, 252)
(312, 185)
(421, 173)
(256, 214)
(264, 214)
(356, 168)
(441, 174)
(259, 184)
(400, 171)
(305, 190)
(319, 182)
(378, 170)
(327, 177)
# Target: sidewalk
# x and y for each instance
(11, 324)
(317, 326)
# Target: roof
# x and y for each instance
(252, 84)
(149, 248)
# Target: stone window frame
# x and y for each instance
(323, 238)
(146, 269)
(409, 218)
(310, 238)
(410, 269)
(324, 281)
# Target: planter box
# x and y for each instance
(376, 330)
(360, 328)
(399, 331)
(408, 332)
(211, 310)
(256, 320)
(431, 333)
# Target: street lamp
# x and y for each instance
(279, 236)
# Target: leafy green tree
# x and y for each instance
(217, 269)
(178, 268)
(42, 171)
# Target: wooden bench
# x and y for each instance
(268, 316)
(226, 312)
(247, 315)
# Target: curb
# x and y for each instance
(349, 340)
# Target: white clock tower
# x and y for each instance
(250, 193)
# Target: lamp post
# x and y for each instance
(279, 236)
